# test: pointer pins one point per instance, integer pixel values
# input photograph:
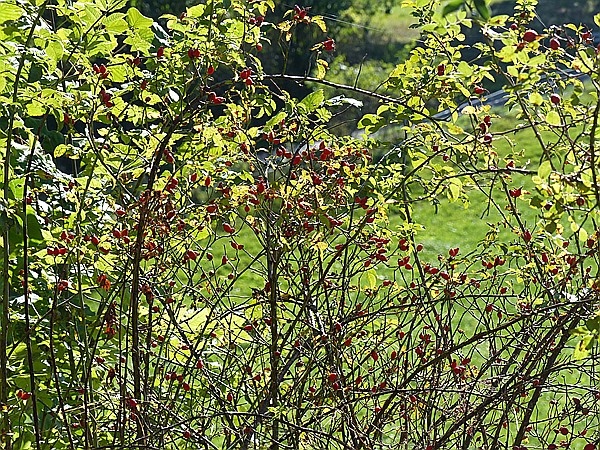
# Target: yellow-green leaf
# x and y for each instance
(313, 100)
(454, 189)
(581, 349)
(60, 150)
(137, 20)
(553, 118)
(115, 23)
(544, 170)
(10, 12)
(318, 21)
(321, 69)
(196, 11)
(535, 98)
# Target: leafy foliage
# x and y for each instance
(193, 258)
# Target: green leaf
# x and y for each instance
(10, 12)
(275, 120)
(35, 73)
(371, 123)
(553, 118)
(582, 348)
(321, 69)
(60, 150)
(597, 19)
(55, 50)
(318, 21)
(593, 324)
(196, 11)
(454, 189)
(35, 108)
(372, 279)
(465, 68)
(451, 6)
(91, 15)
(138, 44)
(312, 101)
(115, 23)
(137, 20)
(113, 5)
(535, 98)
(483, 9)
(544, 170)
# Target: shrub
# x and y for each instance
(218, 269)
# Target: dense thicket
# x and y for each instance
(219, 267)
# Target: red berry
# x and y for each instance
(554, 44)
(515, 192)
(186, 434)
(214, 99)
(228, 228)
(530, 36)
(555, 99)
(329, 45)
(332, 376)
